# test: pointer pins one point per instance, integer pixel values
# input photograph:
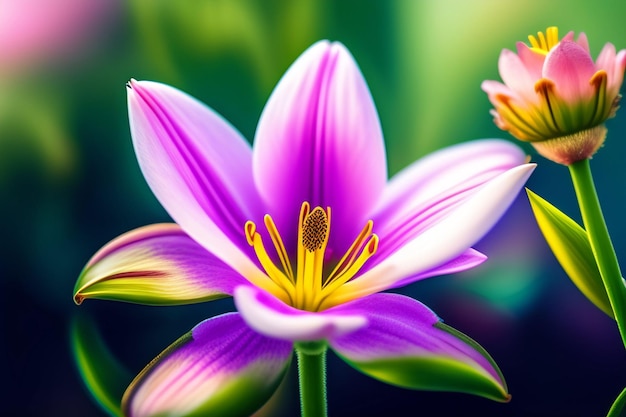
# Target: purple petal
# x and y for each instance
(198, 166)
(400, 327)
(157, 264)
(442, 240)
(221, 367)
(271, 317)
(435, 184)
(397, 326)
(319, 140)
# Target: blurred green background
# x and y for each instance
(69, 181)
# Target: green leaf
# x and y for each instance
(570, 245)
(618, 406)
(103, 375)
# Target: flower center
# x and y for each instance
(305, 284)
(542, 44)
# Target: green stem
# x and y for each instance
(312, 378)
(618, 405)
(600, 241)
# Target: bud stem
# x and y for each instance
(600, 241)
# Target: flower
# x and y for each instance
(555, 96)
(304, 231)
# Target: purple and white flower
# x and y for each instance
(304, 231)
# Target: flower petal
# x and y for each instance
(532, 61)
(613, 63)
(158, 264)
(405, 344)
(220, 368)
(271, 317)
(467, 260)
(442, 240)
(319, 140)
(516, 75)
(442, 178)
(496, 90)
(198, 166)
(570, 67)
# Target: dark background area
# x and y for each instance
(69, 183)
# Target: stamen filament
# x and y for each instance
(280, 247)
(351, 253)
(370, 249)
(277, 276)
(300, 262)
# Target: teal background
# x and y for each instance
(69, 183)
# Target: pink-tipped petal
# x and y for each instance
(158, 264)
(583, 42)
(319, 140)
(405, 344)
(569, 37)
(570, 67)
(614, 64)
(495, 88)
(273, 318)
(516, 76)
(443, 240)
(615, 81)
(606, 59)
(531, 60)
(198, 166)
(431, 185)
(220, 368)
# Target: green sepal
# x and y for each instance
(105, 378)
(438, 373)
(570, 244)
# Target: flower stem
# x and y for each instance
(600, 241)
(312, 378)
(618, 405)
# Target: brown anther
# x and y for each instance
(314, 229)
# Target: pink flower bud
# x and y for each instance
(555, 96)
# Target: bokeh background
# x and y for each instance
(69, 182)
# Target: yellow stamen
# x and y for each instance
(276, 275)
(544, 43)
(310, 284)
(280, 247)
(370, 249)
(351, 253)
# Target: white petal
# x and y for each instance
(442, 241)
(271, 317)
